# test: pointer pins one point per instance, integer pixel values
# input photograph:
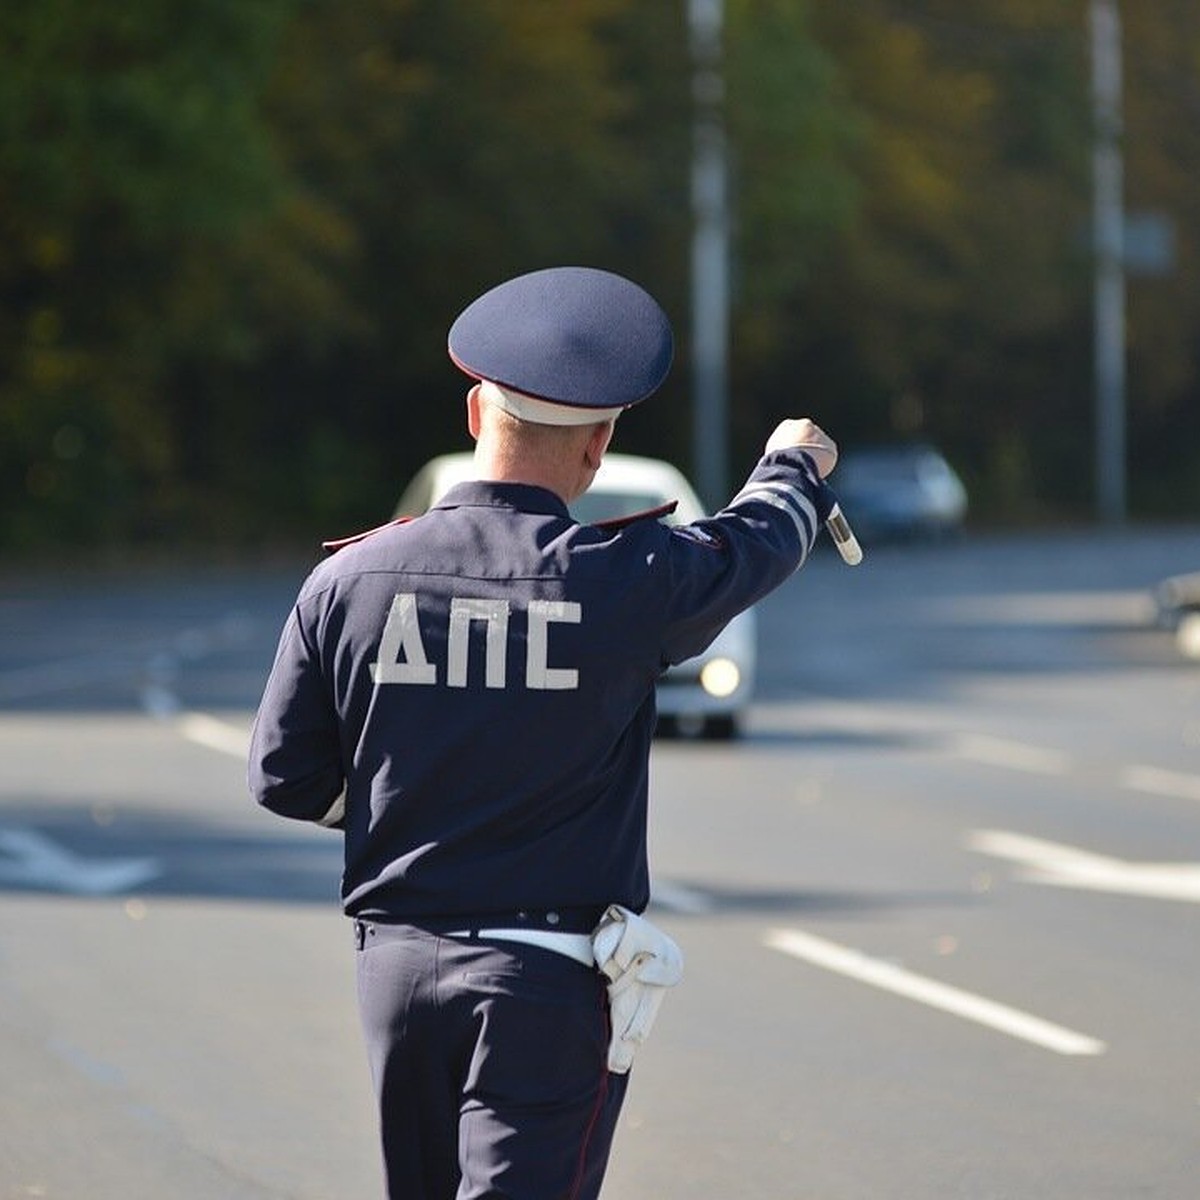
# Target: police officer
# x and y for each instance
(470, 698)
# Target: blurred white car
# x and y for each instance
(1177, 601)
(703, 697)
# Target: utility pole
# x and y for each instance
(710, 254)
(1108, 235)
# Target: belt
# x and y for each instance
(574, 945)
(577, 919)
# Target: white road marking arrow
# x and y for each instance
(1065, 866)
(33, 860)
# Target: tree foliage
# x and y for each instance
(131, 147)
(234, 236)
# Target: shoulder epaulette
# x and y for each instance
(647, 514)
(337, 544)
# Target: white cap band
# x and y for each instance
(542, 412)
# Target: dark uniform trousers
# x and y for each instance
(489, 1061)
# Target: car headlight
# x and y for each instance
(1187, 635)
(720, 677)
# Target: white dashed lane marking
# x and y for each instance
(1058, 865)
(1157, 782)
(1016, 756)
(217, 735)
(1039, 760)
(900, 982)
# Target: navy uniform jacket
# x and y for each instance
(470, 695)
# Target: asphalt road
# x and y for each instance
(939, 904)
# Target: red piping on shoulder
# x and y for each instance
(663, 510)
(337, 543)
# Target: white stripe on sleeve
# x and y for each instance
(787, 498)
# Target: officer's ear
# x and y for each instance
(597, 444)
(473, 406)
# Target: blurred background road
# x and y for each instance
(938, 903)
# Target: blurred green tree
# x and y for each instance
(462, 143)
(954, 308)
(132, 146)
(234, 237)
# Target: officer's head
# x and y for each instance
(558, 355)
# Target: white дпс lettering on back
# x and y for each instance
(402, 656)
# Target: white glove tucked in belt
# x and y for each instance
(640, 962)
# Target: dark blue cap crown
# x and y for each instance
(575, 336)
